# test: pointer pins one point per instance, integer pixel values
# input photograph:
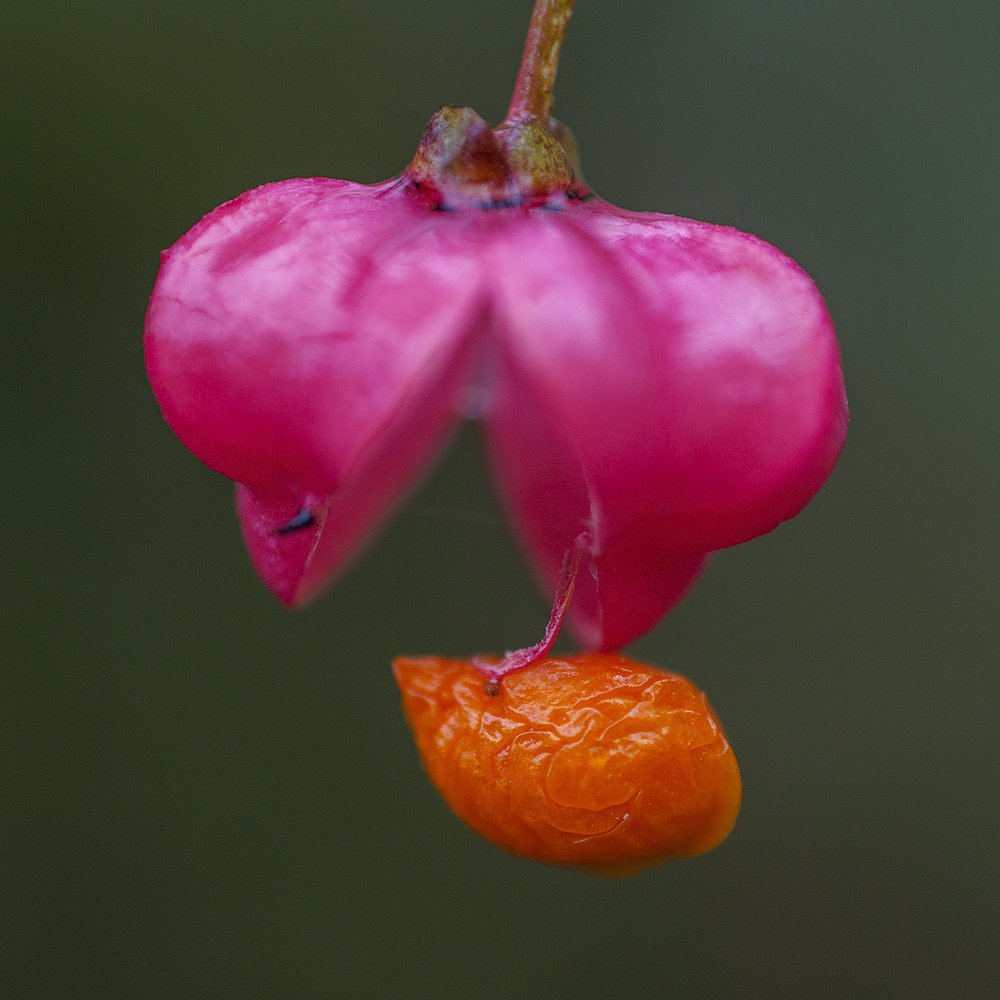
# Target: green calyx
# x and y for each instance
(530, 159)
(461, 162)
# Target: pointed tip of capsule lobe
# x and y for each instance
(620, 596)
(281, 538)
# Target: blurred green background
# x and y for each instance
(205, 796)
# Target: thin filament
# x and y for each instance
(564, 594)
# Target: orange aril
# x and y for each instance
(593, 761)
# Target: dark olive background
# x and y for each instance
(206, 796)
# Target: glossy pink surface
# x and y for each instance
(669, 387)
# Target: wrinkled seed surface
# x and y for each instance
(594, 760)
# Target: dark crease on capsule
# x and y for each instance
(502, 203)
(301, 520)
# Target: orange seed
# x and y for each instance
(594, 761)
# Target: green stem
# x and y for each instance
(536, 78)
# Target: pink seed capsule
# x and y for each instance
(669, 387)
